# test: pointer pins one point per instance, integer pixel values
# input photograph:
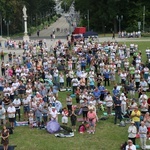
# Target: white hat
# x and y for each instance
(122, 94)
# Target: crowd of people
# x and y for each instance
(93, 73)
(134, 34)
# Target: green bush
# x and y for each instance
(145, 34)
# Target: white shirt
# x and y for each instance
(53, 114)
(26, 101)
(109, 101)
(132, 147)
(123, 99)
(12, 89)
(132, 131)
(29, 92)
(15, 85)
(6, 91)
(11, 112)
(2, 113)
(75, 82)
(17, 103)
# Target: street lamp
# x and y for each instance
(7, 23)
(119, 18)
(88, 19)
(1, 24)
(144, 19)
(65, 6)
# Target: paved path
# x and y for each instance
(61, 23)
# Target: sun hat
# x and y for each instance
(132, 122)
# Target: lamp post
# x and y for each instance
(1, 21)
(144, 19)
(7, 23)
(119, 18)
(87, 16)
(65, 6)
(88, 19)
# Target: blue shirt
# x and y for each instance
(29, 65)
(96, 93)
(106, 74)
(102, 89)
(83, 63)
(78, 73)
(115, 92)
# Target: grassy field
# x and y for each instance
(107, 136)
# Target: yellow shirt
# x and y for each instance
(135, 115)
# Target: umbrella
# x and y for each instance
(53, 126)
(49, 81)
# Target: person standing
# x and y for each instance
(117, 104)
(26, 106)
(147, 123)
(109, 103)
(75, 83)
(143, 135)
(91, 115)
(4, 138)
(73, 119)
(132, 132)
(106, 75)
(69, 102)
(135, 115)
(38, 33)
(17, 104)
(113, 35)
(11, 114)
(130, 145)
(2, 115)
(3, 69)
(2, 55)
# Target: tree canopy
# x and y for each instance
(11, 12)
(103, 14)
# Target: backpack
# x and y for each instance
(10, 130)
(122, 124)
(82, 128)
(123, 146)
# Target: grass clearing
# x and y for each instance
(107, 136)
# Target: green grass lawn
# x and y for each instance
(107, 136)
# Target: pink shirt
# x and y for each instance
(91, 115)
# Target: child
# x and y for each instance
(73, 118)
(65, 116)
(31, 116)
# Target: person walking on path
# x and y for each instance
(113, 35)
